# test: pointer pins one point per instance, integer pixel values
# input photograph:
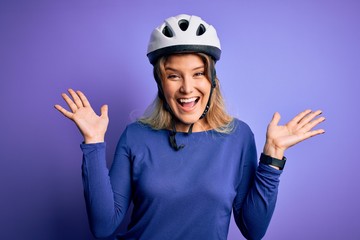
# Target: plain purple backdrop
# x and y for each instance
(281, 56)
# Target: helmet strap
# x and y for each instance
(172, 135)
(213, 85)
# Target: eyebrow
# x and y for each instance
(175, 70)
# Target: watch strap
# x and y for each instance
(265, 159)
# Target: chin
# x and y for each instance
(187, 120)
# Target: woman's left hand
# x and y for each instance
(279, 138)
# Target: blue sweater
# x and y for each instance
(186, 194)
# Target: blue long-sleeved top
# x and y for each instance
(185, 194)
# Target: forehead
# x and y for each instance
(184, 60)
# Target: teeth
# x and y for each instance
(187, 100)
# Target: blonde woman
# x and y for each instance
(186, 164)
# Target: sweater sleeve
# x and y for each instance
(107, 193)
(256, 195)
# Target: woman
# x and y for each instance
(186, 165)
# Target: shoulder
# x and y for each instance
(140, 138)
(138, 132)
(244, 136)
(240, 127)
(240, 134)
(138, 127)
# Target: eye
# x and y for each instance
(172, 76)
(199, 74)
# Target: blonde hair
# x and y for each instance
(158, 117)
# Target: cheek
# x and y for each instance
(205, 87)
(168, 89)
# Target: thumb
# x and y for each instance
(104, 111)
(275, 119)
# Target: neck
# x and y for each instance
(199, 126)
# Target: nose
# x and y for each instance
(187, 85)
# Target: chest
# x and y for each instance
(203, 170)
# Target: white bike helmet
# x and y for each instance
(183, 33)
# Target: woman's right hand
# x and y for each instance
(91, 126)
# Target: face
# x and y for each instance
(186, 89)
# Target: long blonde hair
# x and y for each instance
(158, 117)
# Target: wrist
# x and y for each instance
(94, 139)
(273, 151)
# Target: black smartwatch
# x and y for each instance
(265, 159)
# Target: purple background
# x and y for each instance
(281, 56)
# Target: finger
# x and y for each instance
(275, 119)
(300, 116)
(310, 134)
(309, 117)
(65, 112)
(83, 98)
(104, 111)
(314, 133)
(69, 102)
(313, 123)
(76, 98)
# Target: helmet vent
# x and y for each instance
(167, 32)
(183, 24)
(201, 30)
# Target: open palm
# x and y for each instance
(91, 126)
(300, 128)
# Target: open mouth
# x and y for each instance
(188, 102)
